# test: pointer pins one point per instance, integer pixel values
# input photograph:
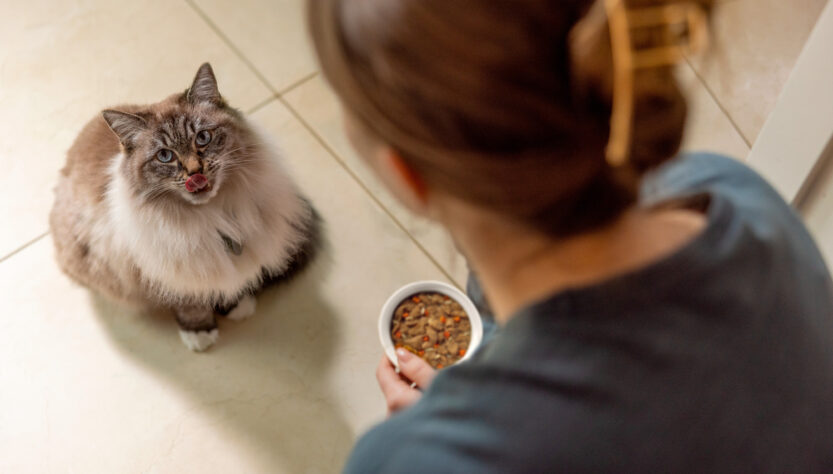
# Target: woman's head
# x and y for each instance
(504, 104)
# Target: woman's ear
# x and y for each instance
(404, 181)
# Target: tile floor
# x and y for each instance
(89, 387)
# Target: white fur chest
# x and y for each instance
(180, 253)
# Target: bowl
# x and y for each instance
(452, 292)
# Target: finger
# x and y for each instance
(415, 369)
(389, 381)
(397, 392)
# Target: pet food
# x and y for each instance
(432, 326)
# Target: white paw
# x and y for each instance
(245, 308)
(199, 341)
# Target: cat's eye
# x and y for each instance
(203, 138)
(165, 155)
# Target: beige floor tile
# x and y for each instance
(708, 128)
(97, 388)
(756, 45)
(318, 106)
(62, 62)
(271, 34)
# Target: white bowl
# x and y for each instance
(428, 286)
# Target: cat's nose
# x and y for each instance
(192, 165)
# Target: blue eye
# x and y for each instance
(164, 155)
(203, 138)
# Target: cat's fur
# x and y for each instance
(124, 224)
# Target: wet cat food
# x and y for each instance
(432, 326)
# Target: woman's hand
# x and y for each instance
(398, 389)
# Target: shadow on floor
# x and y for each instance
(265, 384)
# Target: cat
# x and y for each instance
(181, 205)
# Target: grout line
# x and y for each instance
(278, 95)
(718, 103)
(262, 104)
(361, 183)
(286, 90)
(23, 247)
(245, 59)
(298, 83)
(231, 45)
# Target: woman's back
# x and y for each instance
(717, 358)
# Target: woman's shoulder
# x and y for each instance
(755, 205)
(693, 173)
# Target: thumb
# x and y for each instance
(415, 369)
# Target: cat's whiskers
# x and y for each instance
(156, 192)
(238, 164)
(230, 167)
(239, 158)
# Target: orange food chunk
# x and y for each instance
(462, 352)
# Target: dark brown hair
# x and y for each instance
(501, 102)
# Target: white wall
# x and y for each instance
(795, 148)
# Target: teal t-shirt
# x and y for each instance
(718, 358)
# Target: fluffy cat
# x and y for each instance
(180, 205)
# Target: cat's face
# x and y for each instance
(183, 148)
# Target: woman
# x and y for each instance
(675, 320)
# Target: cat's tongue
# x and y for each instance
(196, 182)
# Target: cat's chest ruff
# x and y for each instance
(193, 241)
(205, 251)
(194, 255)
(212, 252)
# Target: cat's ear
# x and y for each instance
(125, 126)
(204, 88)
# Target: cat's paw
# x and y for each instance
(198, 341)
(245, 308)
